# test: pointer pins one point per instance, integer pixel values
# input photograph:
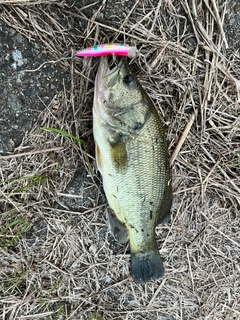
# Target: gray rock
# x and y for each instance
(24, 91)
(232, 25)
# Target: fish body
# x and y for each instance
(118, 49)
(131, 154)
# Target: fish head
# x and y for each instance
(117, 88)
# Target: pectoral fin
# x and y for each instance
(98, 156)
(118, 155)
(117, 228)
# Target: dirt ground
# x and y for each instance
(58, 259)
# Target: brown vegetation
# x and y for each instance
(59, 264)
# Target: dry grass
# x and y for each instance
(59, 264)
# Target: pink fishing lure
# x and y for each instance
(118, 49)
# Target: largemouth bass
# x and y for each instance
(132, 157)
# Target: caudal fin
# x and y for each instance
(147, 266)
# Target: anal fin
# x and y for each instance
(165, 210)
(118, 229)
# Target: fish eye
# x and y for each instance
(128, 79)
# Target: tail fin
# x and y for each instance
(146, 266)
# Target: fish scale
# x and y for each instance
(131, 154)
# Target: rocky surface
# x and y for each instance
(232, 26)
(29, 80)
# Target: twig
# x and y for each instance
(190, 268)
(183, 137)
(29, 153)
(222, 233)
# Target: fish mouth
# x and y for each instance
(106, 77)
(104, 69)
(107, 80)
